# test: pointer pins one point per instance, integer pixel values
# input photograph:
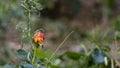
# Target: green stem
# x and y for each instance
(29, 27)
(34, 53)
(29, 22)
(59, 47)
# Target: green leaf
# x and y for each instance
(21, 54)
(117, 34)
(53, 66)
(116, 23)
(56, 62)
(106, 48)
(73, 55)
(48, 53)
(40, 53)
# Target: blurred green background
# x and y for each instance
(93, 21)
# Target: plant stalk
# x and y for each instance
(34, 53)
(59, 47)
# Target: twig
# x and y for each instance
(59, 47)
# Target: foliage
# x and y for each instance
(116, 23)
(96, 54)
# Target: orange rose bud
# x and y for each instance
(38, 37)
